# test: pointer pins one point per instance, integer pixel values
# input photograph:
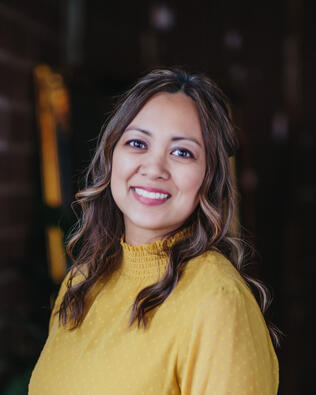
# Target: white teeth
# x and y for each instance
(150, 195)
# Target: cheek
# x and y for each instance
(121, 165)
(116, 174)
(190, 181)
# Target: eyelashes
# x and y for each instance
(188, 154)
(139, 142)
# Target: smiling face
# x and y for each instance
(162, 154)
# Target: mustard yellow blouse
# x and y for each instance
(208, 336)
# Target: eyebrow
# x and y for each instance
(175, 138)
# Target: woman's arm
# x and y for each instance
(228, 349)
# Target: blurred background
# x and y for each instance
(61, 63)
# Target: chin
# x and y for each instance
(149, 224)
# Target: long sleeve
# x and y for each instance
(227, 349)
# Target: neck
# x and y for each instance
(147, 260)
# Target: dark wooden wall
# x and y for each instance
(29, 34)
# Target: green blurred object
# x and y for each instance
(19, 385)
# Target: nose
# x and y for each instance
(154, 166)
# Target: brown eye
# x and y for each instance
(135, 143)
(184, 153)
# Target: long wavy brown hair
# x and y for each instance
(94, 244)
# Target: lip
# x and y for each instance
(148, 201)
(150, 189)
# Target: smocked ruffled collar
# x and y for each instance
(147, 261)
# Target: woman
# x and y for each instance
(156, 301)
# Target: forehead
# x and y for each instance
(170, 112)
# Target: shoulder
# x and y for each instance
(212, 272)
(78, 276)
(212, 280)
(215, 295)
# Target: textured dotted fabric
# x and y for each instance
(208, 337)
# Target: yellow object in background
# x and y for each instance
(50, 166)
(52, 110)
(56, 252)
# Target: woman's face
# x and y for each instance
(158, 167)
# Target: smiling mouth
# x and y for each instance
(150, 196)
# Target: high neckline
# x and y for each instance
(147, 261)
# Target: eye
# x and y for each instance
(136, 143)
(187, 153)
